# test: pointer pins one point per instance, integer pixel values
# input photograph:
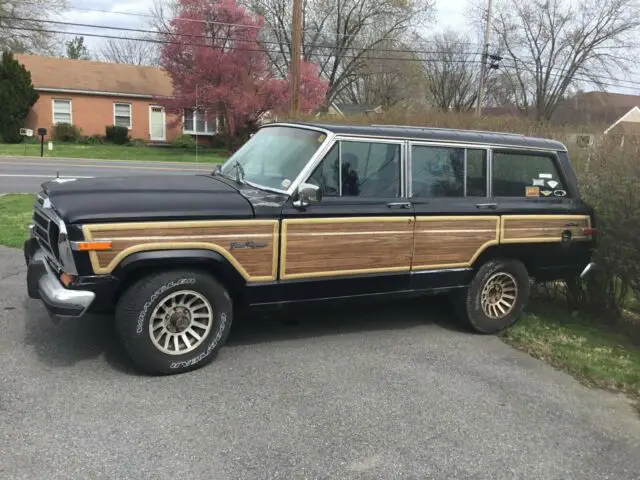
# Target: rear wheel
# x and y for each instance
(496, 296)
(173, 322)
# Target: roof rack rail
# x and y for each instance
(447, 129)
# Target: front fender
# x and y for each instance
(209, 260)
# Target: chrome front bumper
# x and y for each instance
(43, 284)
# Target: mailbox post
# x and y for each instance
(42, 132)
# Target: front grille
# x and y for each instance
(47, 231)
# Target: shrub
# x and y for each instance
(117, 135)
(66, 132)
(184, 141)
(137, 142)
(95, 139)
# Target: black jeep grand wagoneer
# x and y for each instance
(304, 213)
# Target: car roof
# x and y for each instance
(437, 134)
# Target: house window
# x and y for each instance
(196, 123)
(122, 114)
(61, 111)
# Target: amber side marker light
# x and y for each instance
(67, 279)
(92, 246)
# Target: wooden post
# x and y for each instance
(296, 53)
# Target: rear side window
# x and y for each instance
(526, 175)
(440, 172)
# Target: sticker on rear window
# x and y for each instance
(532, 192)
(538, 182)
(545, 175)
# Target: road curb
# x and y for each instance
(31, 157)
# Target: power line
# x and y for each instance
(205, 37)
(555, 72)
(168, 42)
(580, 77)
(211, 22)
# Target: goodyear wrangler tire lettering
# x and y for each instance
(140, 302)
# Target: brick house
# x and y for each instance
(93, 95)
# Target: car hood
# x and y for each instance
(160, 197)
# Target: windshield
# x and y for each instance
(274, 157)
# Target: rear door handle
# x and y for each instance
(399, 205)
(491, 206)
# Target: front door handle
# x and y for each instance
(491, 206)
(399, 205)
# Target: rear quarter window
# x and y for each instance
(527, 175)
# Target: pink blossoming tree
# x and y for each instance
(213, 50)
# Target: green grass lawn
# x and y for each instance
(15, 216)
(115, 152)
(592, 352)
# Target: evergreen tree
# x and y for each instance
(76, 49)
(17, 96)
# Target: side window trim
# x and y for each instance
(466, 147)
(524, 151)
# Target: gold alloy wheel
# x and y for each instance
(499, 295)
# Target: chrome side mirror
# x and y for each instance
(306, 194)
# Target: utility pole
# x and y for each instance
(485, 57)
(296, 52)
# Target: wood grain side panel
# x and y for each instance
(323, 247)
(542, 228)
(253, 263)
(451, 242)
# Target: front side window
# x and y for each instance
(196, 122)
(274, 156)
(61, 111)
(360, 169)
(526, 175)
(122, 114)
(440, 172)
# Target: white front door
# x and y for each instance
(157, 127)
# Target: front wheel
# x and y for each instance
(173, 322)
(496, 296)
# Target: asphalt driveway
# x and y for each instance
(385, 390)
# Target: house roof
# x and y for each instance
(88, 76)
(608, 99)
(354, 108)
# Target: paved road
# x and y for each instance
(382, 391)
(24, 175)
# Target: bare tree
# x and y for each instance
(452, 67)
(20, 34)
(134, 51)
(550, 45)
(163, 11)
(340, 36)
(387, 78)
